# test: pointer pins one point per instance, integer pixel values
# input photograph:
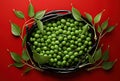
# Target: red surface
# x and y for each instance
(92, 6)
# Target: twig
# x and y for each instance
(33, 67)
(99, 38)
(92, 68)
(99, 63)
(31, 60)
(30, 23)
(26, 24)
(95, 37)
(29, 20)
(103, 34)
(21, 37)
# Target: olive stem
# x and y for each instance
(25, 24)
(103, 34)
(99, 38)
(95, 37)
(92, 68)
(31, 60)
(99, 63)
(31, 66)
(25, 19)
(30, 23)
(29, 20)
(10, 65)
(21, 37)
(96, 46)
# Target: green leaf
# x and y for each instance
(99, 29)
(40, 25)
(85, 29)
(104, 25)
(15, 29)
(107, 65)
(40, 14)
(24, 41)
(89, 17)
(76, 14)
(19, 14)
(27, 70)
(18, 65)
(97, 55)
(40, 59)
(98, 17)
(110, 28)
(105, 56)
(15, 57)
(31, 10)
(90, 58)
(25, 55)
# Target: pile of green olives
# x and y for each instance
(65, 40)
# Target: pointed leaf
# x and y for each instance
(107, 65)
(31, 10)
(76, 14)
(40, 14)
(89, 17)
(85, 29)
(90, 58)
(40, 25)
(97, 55)
(18, 65)
(98, 17)
(27, 70)
(25, 55)
(15, 57)
(40, 59)
(99, 29)
(105, 56)
(110, 28)
(19, 14)
(15, 29)
(24, 41)
(104, 25)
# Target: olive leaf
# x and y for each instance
(25, 55)
(18, 65)
(110, 28)
(97, 55)
(89, 17)
(105, 56)
(90, 58)
(40, 25)
(107, 65)
(16, 57)
(15, 29)
(31, 10)
(99, 29)
(104, 25)
(27, 70)
(76, 14)
(18, 13)
(24, 41)
(98, 17)
(85, 29)
(40, 59)
(39, 14)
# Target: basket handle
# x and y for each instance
(58, 12)
(55, 13)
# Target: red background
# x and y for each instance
(14, 44)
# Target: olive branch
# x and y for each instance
(98, 59)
